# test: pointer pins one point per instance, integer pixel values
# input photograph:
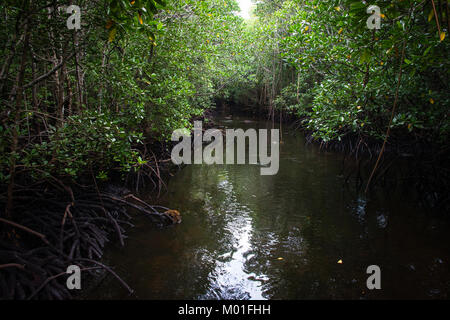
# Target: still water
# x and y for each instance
(247, 236)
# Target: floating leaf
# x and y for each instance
(174, 215)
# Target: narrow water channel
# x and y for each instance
(247, 236)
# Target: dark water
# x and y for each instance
(247, 236)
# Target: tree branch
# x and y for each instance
(48, 74)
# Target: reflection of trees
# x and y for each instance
(301, 215)
(298, 216)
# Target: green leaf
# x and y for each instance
(112, 34)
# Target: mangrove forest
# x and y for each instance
(224, 150)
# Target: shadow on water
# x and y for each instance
(247, 236)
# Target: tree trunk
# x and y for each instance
(17, 95)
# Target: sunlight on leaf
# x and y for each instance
(430, 16)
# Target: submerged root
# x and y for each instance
(47, 235)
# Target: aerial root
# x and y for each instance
(48, 235)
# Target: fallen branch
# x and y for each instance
(12, 265)
(48, 74)
(131, 291)
(40, 235)
(53, 278)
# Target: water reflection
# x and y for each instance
(230, 279)
(247, 236)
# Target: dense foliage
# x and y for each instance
(74, 99)
(80, 103)
(77, 99)
(345, 75)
